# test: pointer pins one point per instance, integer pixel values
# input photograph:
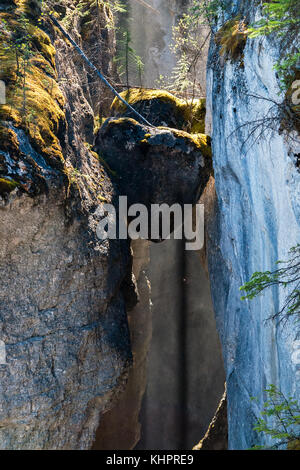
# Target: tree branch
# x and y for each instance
(94, 68)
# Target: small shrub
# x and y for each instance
(285, 428)
(286, 276)
(281, 18)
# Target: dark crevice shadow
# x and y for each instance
(185, 369)
(182, 343)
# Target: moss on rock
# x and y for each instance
(294, 445)
(7, 185)
(161, 108)
(93, 12)
(201, 141)
(34, 101)
(98, 121)
(232, 38)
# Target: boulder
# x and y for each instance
(155, 165)
(161, 108)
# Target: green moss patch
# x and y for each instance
(34, 100)
(7, 185)
(162, 108)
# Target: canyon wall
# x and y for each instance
(66, 298)
(254, 223)
(63, 315)
(71, 360)
(120, 427)
(185, 374)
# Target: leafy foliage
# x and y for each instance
(285, 428)
(207, 11)
(281, 17)
(286, 276)
(17, 43)
(189, 46)
(117, 6)
(190, 43)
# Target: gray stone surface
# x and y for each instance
(120, 428)
(256, 222)
(63, 316)
(64, 324)
(152, 38)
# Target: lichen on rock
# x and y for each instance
(62, 307)
(7, 185)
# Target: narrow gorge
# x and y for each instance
(137, 344)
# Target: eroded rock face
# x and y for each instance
(64, 324)
(255, 222)
(155, 165)
(120, 428)
(65, 295)
(62, 306)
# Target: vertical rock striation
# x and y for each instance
(255, 221)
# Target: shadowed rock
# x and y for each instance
(63, 319)
(216, 437)
(155, 165)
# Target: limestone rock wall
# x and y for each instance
(64, 324)
(255, 222)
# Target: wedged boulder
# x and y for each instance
(162, 108)
(155, 165)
